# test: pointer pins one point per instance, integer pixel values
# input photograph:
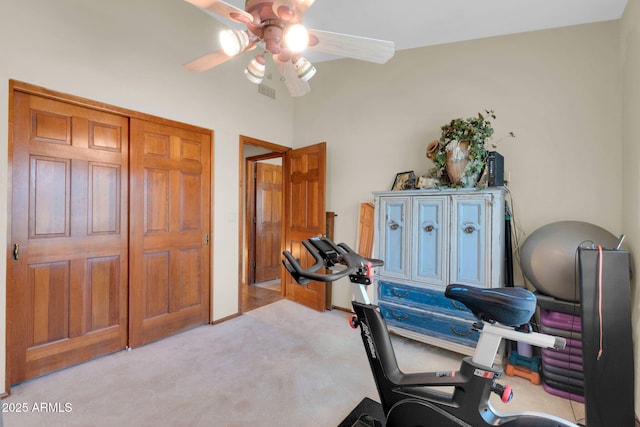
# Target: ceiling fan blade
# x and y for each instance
(207, 61)
(295, 86)
(366, 49)
(224, 9)
(291, 10)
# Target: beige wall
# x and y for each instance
(630, 61)
(128, 53)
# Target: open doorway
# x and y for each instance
(262, 207)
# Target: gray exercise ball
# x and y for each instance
(548, 257)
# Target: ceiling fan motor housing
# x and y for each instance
(272, 36)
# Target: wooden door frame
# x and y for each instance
(243, 237)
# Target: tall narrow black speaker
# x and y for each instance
(495, 164)
(607, 348)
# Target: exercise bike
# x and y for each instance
(413, 399)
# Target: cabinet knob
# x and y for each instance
(469, 229)
(428, 228)
(394, 225)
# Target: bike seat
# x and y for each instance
(509, 306)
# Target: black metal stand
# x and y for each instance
(606, 338)
(368, 413)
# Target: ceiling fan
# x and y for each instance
(275, 25)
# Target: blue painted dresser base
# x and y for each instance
(427, 312)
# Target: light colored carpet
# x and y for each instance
(280, 365)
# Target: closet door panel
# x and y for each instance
(67, 280)
(170, 230)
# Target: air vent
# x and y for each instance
(267, 91)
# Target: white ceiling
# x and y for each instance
(417, 23)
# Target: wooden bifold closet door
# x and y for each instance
(170, 221)
(67, 282)
(110, 228)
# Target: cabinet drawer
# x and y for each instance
(422, 298)
(430, 323)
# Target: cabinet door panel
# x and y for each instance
(430, 231)
(469, 251)
(393, 240)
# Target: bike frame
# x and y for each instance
(418, 399)
(421, 394)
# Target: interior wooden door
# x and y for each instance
(305, 210)
(170, 229)
(268, 221)
(67, 281)
(365, 229)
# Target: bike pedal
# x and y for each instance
(505, 392)
(354, 322)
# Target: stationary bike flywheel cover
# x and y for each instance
(413, 412)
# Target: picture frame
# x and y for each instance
(404, 181)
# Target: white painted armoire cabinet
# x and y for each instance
(429, 239)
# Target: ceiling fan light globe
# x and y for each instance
(304, 69)
(297, 37)
(252, 78)
(255, 70)
(234, 41)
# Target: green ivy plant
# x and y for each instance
(474, 130)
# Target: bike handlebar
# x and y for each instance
(327, 254)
